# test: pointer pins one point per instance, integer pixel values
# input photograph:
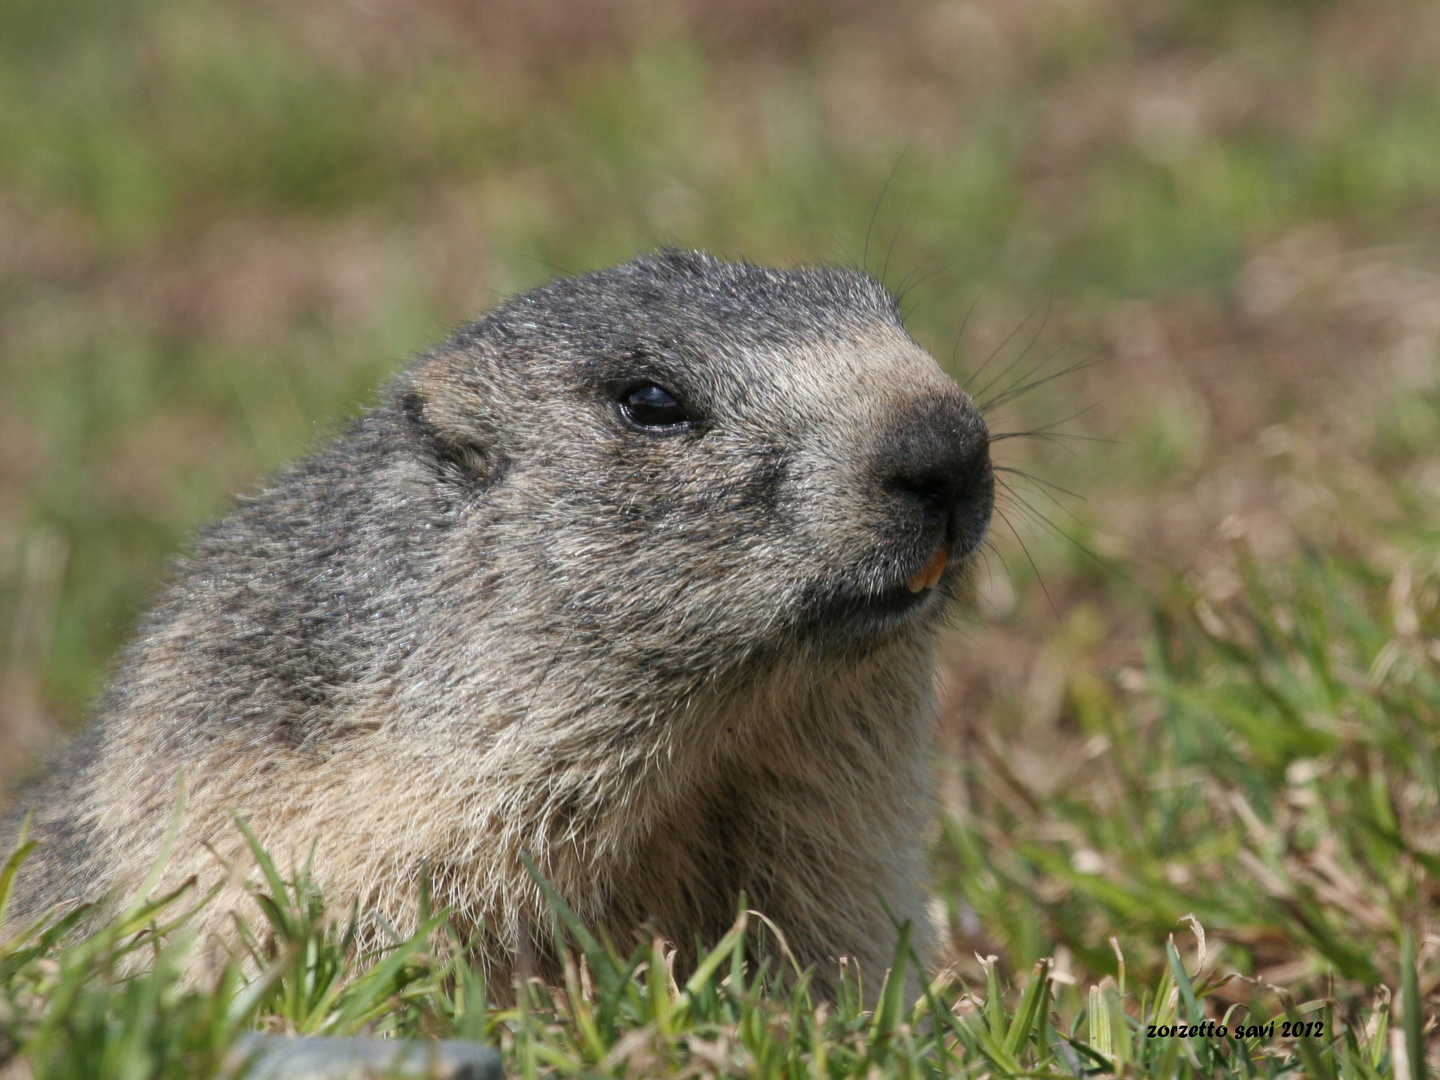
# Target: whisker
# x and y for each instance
(554, 268)
(955, 351)
(1041, 520)
(1031, 559)
(1003, 561)
(994, 549)
(885, 267)
(865, 254)
(1042, 434)
(1009, 395)
(1054, 438)
(1050, 427)
(1019, 357)
(997, 351)
(1045, 484)
(1001, 397)
(1019, 505)
(1018, 497)
(904, 291)
(986, 550)
(834, 238)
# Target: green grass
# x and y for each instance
(115, 1002)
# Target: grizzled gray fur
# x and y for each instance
(639, 575)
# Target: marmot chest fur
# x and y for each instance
(639, 575)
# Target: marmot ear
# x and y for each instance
(444, 415)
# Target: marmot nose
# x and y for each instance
(937, 458)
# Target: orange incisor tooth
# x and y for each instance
(929, 574)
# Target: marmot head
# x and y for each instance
(693, 461)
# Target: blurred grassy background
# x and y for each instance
(222, 224)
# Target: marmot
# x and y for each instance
(640, 575)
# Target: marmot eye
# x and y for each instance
(650, 406)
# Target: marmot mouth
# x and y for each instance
(873, 614)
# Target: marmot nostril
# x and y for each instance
(937, 457)
(934, 491)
